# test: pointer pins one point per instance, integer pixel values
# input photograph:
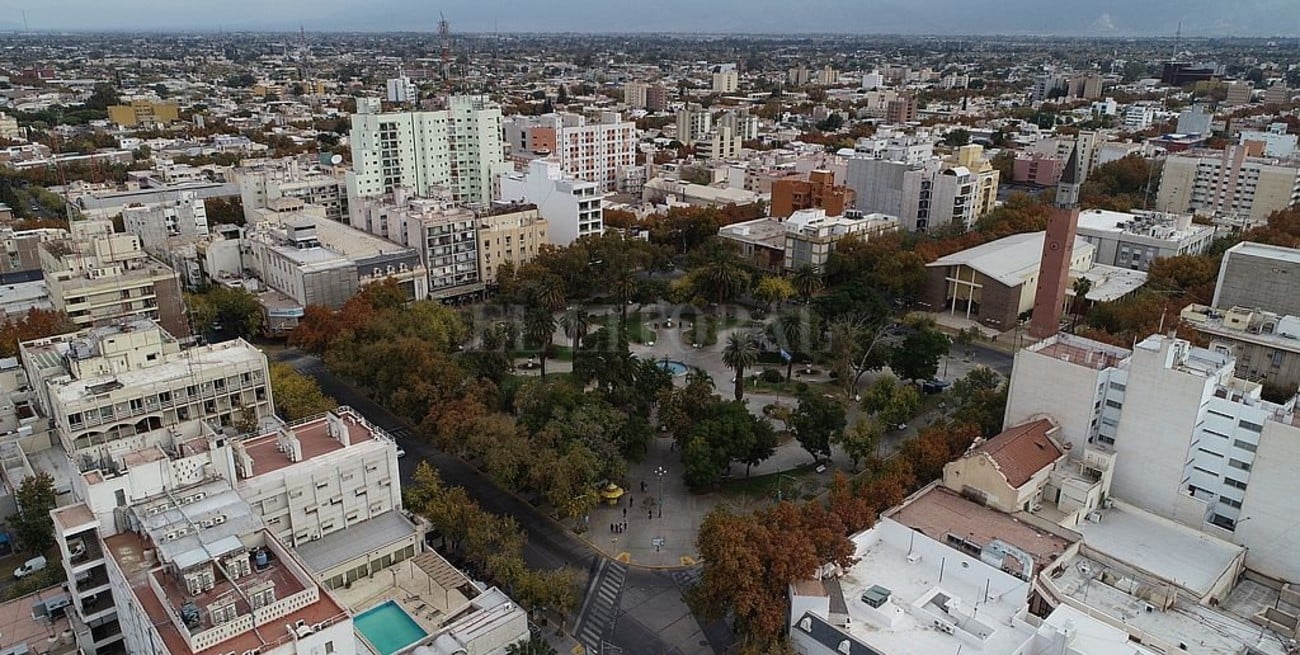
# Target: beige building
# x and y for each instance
(1265, 345)
(511, 236)
(110, 383)
(9, 127)
(1233, 184)
(1007, 471)
(97, 276)
(144, 113)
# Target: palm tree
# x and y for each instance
(532, 646)
(624, 286)
(723, 274)
(576, 322)
(548, 292)
(794, 330)
(1082, 286)
(740, 353)
(807, 281)
(539, 327)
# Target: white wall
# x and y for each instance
(1271, 531)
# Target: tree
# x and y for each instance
(32, 524)
(721, 275)
(296, 395)
(807, 282)
(957, 138)
(773, 290)
(918, 357)
(856, 346)
(740, 353)
(576, 322)
(35, 324)
(236, 311)
(533, 645)
(227, 211)
(860, 441)
(816, 422)
(539, 328)
(1081, 287)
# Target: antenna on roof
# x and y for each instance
(444, 35)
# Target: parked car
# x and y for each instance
(30, 566)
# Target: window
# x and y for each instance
(1247, 425)
(1115, 404)
(1230, 502)
(1244, 445)
(1238, 464)
(329, 647)
(1236, 484)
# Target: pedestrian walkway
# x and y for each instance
(600, 610)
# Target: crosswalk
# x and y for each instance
(401, 433)
(602, 608)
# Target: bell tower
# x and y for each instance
(1058, 250)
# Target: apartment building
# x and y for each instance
(263, 181)
(1276, 141)
(1038, 169)
(1234, 184)
(1138, 238)
(596, 151)
(9, 127)
(693, 124)
(571, 207)
(1087, 143)
(442, 232)
(725, 79)
(509, 235)
(900, 110)
(144, 113)
(1138, 117)
(21, 259)
(164, 224)
(458, 149)
(1192, 442)
(925, 194)
(819, 191)
(97, 276)
(402, 89)
(657, 97)
(108, 383)
(634, 94)
(1265, 345)
(804, 239)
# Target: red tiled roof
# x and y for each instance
(1022, 450)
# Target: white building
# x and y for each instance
(261, 182)
(1195, 120)
(1277, 143)
(571, 207)
(163, 224)
(402, 89)
(1138, 117)
(1135, 239)
(693, 124)
(726, 79)
(634, 94)
(600, 151)
(442, 232)
(458, 148)
(1190, 439)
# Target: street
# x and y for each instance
(638, 610)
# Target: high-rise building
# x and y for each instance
(1239, 93)
(571, 207)
(458, 149)
(817, 192)
(597, 151)
(657, 97)
(797, 77)
(634, 94)
(509, 235)
(1259, 276)
(441, 231)
(693, 124)
(1058, 251)
(402, 89)
(316, 182)
(158, 225)
(726, 79)
(1234, 184)
(900, 110)
(144, 113)
(1278, 94)
(97, 276)
(925, 194)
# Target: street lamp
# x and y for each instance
(660, 472)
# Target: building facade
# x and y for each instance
(1258, 276)
(1234, 184)
(572, 208)
(1136, 239)
(509, 235)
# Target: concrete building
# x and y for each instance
(1137, 117)
(9, 127)
(1193, 443)
(817, 192)
(693, 124)
(1234, 184)
(598, 151)
(459, 149)
(144, 113)
(263, 181)
(509, 235)
(1258, 276)
(97, 277)
(1276, 142)
(927, 194)
(806, 238)
(726, 79)
(1195, 120)
(440, 231)
(162, 225)
(674, 192)
(799, 76)
(108, 383)
(1136, 239)
(1265, 345)
(402, 89)
(634, 94)
(1239, 93)
(1089, 145)
(901, 110)
(1278, 94)
(657, 97)
(571, 207)
(20, 261)
(1037, 168)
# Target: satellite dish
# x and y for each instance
(336, 159)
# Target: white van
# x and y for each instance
(30, 566)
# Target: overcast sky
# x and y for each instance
(1067, 17)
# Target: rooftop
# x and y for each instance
(1109, 283)
(1022, 450)
(1082, 352)
(1009, 260)
(940, 512)
(1291, 255)
(22, 624)
(177, 367)
(367, 536)
(314, 438)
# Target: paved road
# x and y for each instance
(652, 621)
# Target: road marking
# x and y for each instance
(687, 560)
(578, 650)
(624, 557)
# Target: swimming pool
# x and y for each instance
(388, 628)
(674, 367)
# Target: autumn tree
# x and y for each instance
(773, 290)
(296, 395)
(35, 324)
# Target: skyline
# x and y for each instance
(1199, 18)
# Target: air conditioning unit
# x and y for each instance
(1038, 507)
(913, 558)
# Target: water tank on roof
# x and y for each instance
(262, 559)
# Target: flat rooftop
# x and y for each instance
(1253, 249)
(1168, 550)
(370, 535)
(930, 582)
(1082, 352)
(314, 440)
(1110, 283)
(177, 367)
(18, 625)
(942, 511)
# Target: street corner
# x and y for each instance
(687, 560)
(624, 557)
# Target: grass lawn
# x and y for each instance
(801, 482)
(637, 330)
(791, 388)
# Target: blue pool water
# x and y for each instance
(673, 367)
(388, 628)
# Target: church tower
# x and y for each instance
(1058, 250)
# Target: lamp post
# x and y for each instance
(660, 472)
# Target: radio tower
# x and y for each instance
(444, 35)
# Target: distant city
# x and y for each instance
(343, 341)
